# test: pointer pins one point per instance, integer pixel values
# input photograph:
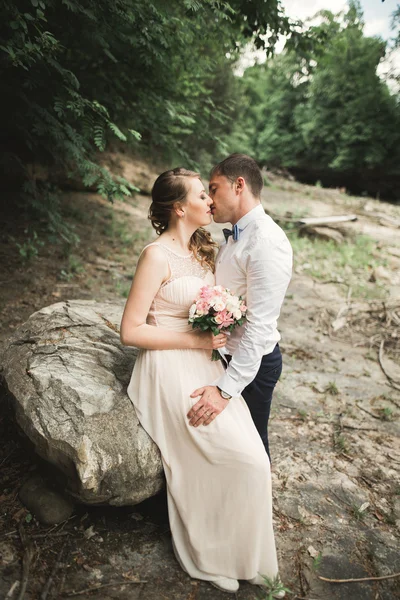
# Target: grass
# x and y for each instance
(351, 262)
(29, 249)
(386, 414)
(359, 512)
(317, 561)
(332, 388)
(341, 445)
(302, 414)
(273, 586)
(122, 288)
(122, 234)
(75, 267)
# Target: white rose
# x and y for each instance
(232, 305)
(237, 314)
(219, 304)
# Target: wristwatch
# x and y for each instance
(225, 395)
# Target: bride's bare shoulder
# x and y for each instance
(153, 253)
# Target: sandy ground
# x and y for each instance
(334, 426)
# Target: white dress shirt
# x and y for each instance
(257, 266)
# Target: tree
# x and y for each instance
(75, 72)
(323, 108)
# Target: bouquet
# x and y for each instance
(217, 309)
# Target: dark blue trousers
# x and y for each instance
(258, 394)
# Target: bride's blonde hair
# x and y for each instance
(171, 187)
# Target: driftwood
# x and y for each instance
(326, 220)
(359, 579)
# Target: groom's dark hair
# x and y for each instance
(241, 165)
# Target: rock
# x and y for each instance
(49, 506)
(323, 233)
(67, 375)
(381, 274)
(7, 553)
(339, 323)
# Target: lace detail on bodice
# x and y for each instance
(171, 304)
(182, 266)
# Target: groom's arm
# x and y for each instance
(268, 267)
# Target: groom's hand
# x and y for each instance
(210, 405)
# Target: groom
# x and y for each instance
(255, 262)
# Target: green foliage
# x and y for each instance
(273, 586)
(29, 249)
(79, 74)
(350, 262)
(332, 388)
(317, 561)
(386, 413)
(122, 288)
(75, 267)
(324, 106)
(43, 200)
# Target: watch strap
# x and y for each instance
(225, 395)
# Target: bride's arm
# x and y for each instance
(152, 270)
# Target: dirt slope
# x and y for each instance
(334, 428)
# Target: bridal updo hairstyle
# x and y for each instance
(171, 187)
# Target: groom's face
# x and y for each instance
(222, 194)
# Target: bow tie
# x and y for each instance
(234, 232)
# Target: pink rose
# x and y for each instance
(224, 319)
(202, 307)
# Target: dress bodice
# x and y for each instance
(170, 307)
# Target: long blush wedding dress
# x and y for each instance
(218, 476)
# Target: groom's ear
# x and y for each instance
(239, 184)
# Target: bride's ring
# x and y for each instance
(208, 414)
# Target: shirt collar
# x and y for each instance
(252, 215)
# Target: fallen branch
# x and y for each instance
(360, 428)
(368, 412)
(12, 589)
(41, 535)
(359, 579)
(26, 560)
(54, 570)
(392, 381)
(99, 587)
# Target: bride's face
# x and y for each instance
(198, 204)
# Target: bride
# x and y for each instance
(218, 476)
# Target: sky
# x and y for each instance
(377, 14)
(377, 19)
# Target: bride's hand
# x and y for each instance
(206, 340)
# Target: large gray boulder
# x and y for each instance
(67, 374)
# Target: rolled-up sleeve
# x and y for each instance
(268, 267)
